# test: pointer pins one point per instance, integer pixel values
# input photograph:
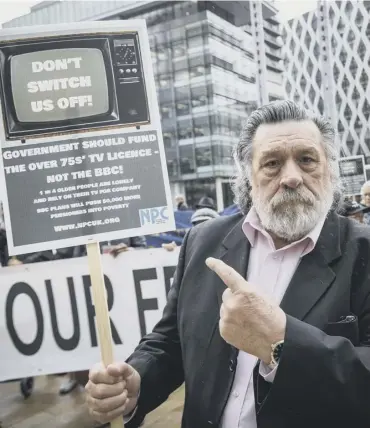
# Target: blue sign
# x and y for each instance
(183, 224)
(153, 215)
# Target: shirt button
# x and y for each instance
(232, 365)
(236, 394)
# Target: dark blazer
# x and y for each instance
(323, 379)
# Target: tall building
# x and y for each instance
(214, 62)
(327, 68)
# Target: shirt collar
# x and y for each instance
(252, 226)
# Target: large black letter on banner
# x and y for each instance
(169, 272)
(91, 310)
(144, 304)
(24, 348)
(73, 341)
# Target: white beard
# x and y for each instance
(293, 214)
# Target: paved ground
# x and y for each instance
(45, 408)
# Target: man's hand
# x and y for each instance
(248, 321)
(112, 392)
(170, 246)
(14, 262)
(117, 249)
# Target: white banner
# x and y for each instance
(47, 322)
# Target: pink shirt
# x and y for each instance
(271, 270)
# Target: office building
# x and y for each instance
(327, 69)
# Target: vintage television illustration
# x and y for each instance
(106, 67)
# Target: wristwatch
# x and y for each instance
(276, 351)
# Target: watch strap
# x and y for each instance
(276, 351)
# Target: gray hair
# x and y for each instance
(278, 112)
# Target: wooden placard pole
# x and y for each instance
(101, 310)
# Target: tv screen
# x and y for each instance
(68, 83)
(60, 84)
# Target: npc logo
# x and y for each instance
(158, 215)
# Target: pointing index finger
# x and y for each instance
(232, 279)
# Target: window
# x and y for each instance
(217, 10)
(194, 31)
(180, 65)
(169, 138)
(181, 75)
(172, 167)
(164, 80)
(198, 71)
(221, 63)
(162, 53)
(182, 108)
(187, 161)
(199, 96)
(185, 8)
(172, 162)
(201, 126)
(184, 129)
(196, 189)
(163, 66)
(228, 194)
(166, 96)
(222, 154)
(177, 35)
(167, 111)
(195, 42)
(203, 156)
(178, 48)
(221, 125)
(182, 101)
(196, 61)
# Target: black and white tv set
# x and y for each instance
(69, 83)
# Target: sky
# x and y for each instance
(10, 9)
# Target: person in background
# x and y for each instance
(203, 214)
(117, 246)
(365, 194)
(121, 245)
(206, 202)
(354, 210)
(180, 203)
(38, 257)
(200, 216)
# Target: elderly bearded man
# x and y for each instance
(289, 346)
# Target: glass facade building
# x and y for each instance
(332, 42)
(205, 73)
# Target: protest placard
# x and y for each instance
(82, 155)
(47, 318)
(107, 187)
(82, 149)
(353, 174)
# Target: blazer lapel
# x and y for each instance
(314, 276)
(221, 357)
(235, 253)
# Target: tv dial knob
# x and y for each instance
(128, 70)
(121, 71)
(134, 70)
